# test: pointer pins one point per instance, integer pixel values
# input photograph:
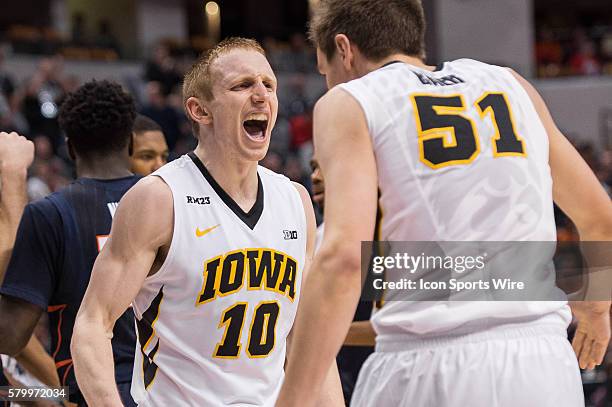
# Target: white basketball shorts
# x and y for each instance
(525, 366)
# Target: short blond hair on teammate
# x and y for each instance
(198, 80)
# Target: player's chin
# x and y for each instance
(255, 146)
(255, 152)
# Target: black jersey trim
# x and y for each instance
(392, 62)
(439, 67)
(251, 217)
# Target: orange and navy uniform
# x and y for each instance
(58, 240)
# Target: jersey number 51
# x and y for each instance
(436, 116)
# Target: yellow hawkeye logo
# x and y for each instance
(200, 233)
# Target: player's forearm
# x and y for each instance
(93, 363)
(38, 363)
(326, 309)
(331, 391)
(13, 198)
(595, 248)
(11, 343)
(14, 192)
(598, 231)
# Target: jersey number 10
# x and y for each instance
(436, 116)
(262, 334)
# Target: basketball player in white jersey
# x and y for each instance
(432, 139)
(211, 251)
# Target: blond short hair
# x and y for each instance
(198, 80)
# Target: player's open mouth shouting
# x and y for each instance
(255, 125)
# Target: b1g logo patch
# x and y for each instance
(290, 234)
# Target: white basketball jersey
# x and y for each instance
(461, 155)
(213, 321)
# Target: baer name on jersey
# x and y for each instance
(443, 81)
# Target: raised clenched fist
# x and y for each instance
(16, 152)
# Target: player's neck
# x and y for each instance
(108, 167)
(370, 66)
(238, 178)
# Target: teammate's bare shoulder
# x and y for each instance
(149, 191)
(340, 109)
(147, 207)
(335, 98)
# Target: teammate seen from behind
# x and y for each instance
(211, 250)
(60, 236)
(444, 146)
(150, 150)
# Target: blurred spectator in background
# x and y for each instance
(273, 161)
(39, 180)
(584, 61)
(301, 55)
(300, 127)
(160, 111)
(298, 110)
(10, 117)
(48, 173)
(149, 151)
(105, 37)
(71, 83)
(301, 137)
(606, 52)
(78, 30)
(162, 68)
(549, 53)
(295, 171)
(186, 142)
(272, 48)
(295, 56)
(565, 48)
(43, 95)
(281, 135)
(296, 92)
(7, 84)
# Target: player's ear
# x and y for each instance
(343, 48)
(197, 111)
